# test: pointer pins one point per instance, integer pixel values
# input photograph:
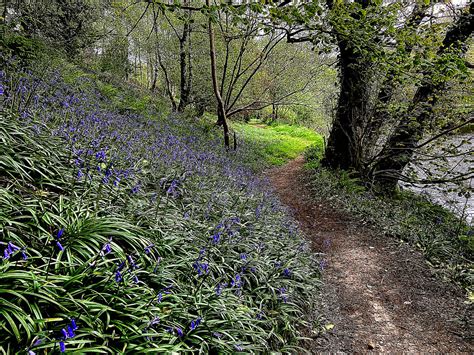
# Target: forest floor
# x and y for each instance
(380, 294)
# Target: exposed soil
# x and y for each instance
(379, 293)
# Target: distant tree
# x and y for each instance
(68, 23)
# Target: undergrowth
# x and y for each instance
(445, 241)
(277, 144)
(122, 234)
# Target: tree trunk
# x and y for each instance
(400, 147)
(344, 148)
(221, 112)
(184, 48)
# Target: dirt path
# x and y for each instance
(379, 293)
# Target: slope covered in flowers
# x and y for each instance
(128, 233)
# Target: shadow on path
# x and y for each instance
(380, 294)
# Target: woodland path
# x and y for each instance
(379, 293)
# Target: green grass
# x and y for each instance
(278, 143)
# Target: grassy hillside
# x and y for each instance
(126, 230)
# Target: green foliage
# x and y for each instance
(276, 144)
(313, 155)
(16, 45)
(155, 235)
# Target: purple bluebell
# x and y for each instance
(148, 248)
(238, 347)
(73, 324)
(106, 249)
(60, 247)
(64, 333)
(201, 268)
(195, 323)
(216, 237)
(236, 281)
(283, 295)
(287, 272)
(70, 332)
(118, 276)
(100, 155)
(323, 264)
(60, 233)
(159, 297)
(243, 256)
(179, 331)
(62, 346)
(2, 90)
(131, 262)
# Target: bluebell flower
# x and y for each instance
(60, 247)
(216, 237)
(100, 155)
(195, 323)
(154, 321)
(131, 262)
(287, 272)
(135, 189)
(179, 331)
(201, 268)
(238, 347)
(159, 297)
(283, 295)
(118, 276)
(243, 256)
(236, 281)
(2, 90)
(107, 249)
(62, 346)
(73, 324)
(323, 264)
(60, 233)
(64, 333)
(70, 332)
(148, 248)
(135, 278)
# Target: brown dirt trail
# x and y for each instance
(379, 293)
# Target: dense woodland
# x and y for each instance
(135, 214)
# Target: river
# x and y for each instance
(452, 157)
